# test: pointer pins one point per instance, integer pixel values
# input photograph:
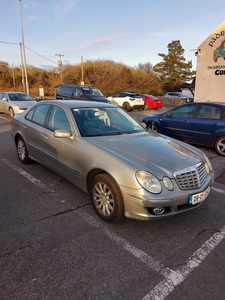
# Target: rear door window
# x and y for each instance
(38, 114)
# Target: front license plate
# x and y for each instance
(194, 199)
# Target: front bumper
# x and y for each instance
(140, 205)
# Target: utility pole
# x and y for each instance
(13, 76)
(23, 50)
(22, 67)
(60, 64)
(82, 71)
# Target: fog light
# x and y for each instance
(158, 210)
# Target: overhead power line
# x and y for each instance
(41, 55)
(9, 43)
(30, 50)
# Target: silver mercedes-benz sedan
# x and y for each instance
(14, 103)
(126, 170)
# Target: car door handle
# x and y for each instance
(44, 136)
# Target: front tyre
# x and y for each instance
(153, 127)
(11, 112)
(220, 145)
(106, 198)
(146, 107)
(126, 106)
(22, 151)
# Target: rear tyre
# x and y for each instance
(22, 151)
(107, 198)
(220, 145)
(153, 127)
(126, 106)
(146, 107)
(11, 112)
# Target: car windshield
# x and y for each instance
(105, 121)
(93, 92)
(20, 97)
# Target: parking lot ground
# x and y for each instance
(54, 247)
(221, 178)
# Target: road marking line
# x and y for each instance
(24, 173)
(172, 278)
(218, 190)
(167, 285)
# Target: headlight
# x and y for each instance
(168, 183)
(208, 166)
(149, 182)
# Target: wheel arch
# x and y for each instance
(17, 135)
(96, 171)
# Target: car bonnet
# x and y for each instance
(150, 151)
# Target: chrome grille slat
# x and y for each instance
(191, 178)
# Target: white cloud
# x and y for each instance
(31, 5)
(100, 43)
(64, 7)
(32, 18)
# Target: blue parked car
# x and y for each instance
(201, 123)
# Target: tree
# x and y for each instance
(173, 71)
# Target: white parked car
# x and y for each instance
(14, 103)
(128, 100)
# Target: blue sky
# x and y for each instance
(126, 31)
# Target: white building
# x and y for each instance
(210, 70)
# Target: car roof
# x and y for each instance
(74, 85)
(222, 105)
(78, 104)
(14, 93)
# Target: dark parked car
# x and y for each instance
(79, 92)
(107, 153)
(200, 123)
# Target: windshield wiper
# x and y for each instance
(117, 133)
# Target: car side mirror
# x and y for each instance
(169, 114)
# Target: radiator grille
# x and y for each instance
(191, 178)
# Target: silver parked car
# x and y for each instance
(126, 170)
(179, 95)
(14, 103)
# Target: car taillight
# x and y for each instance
(132, 99)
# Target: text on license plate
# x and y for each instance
(194, 199)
